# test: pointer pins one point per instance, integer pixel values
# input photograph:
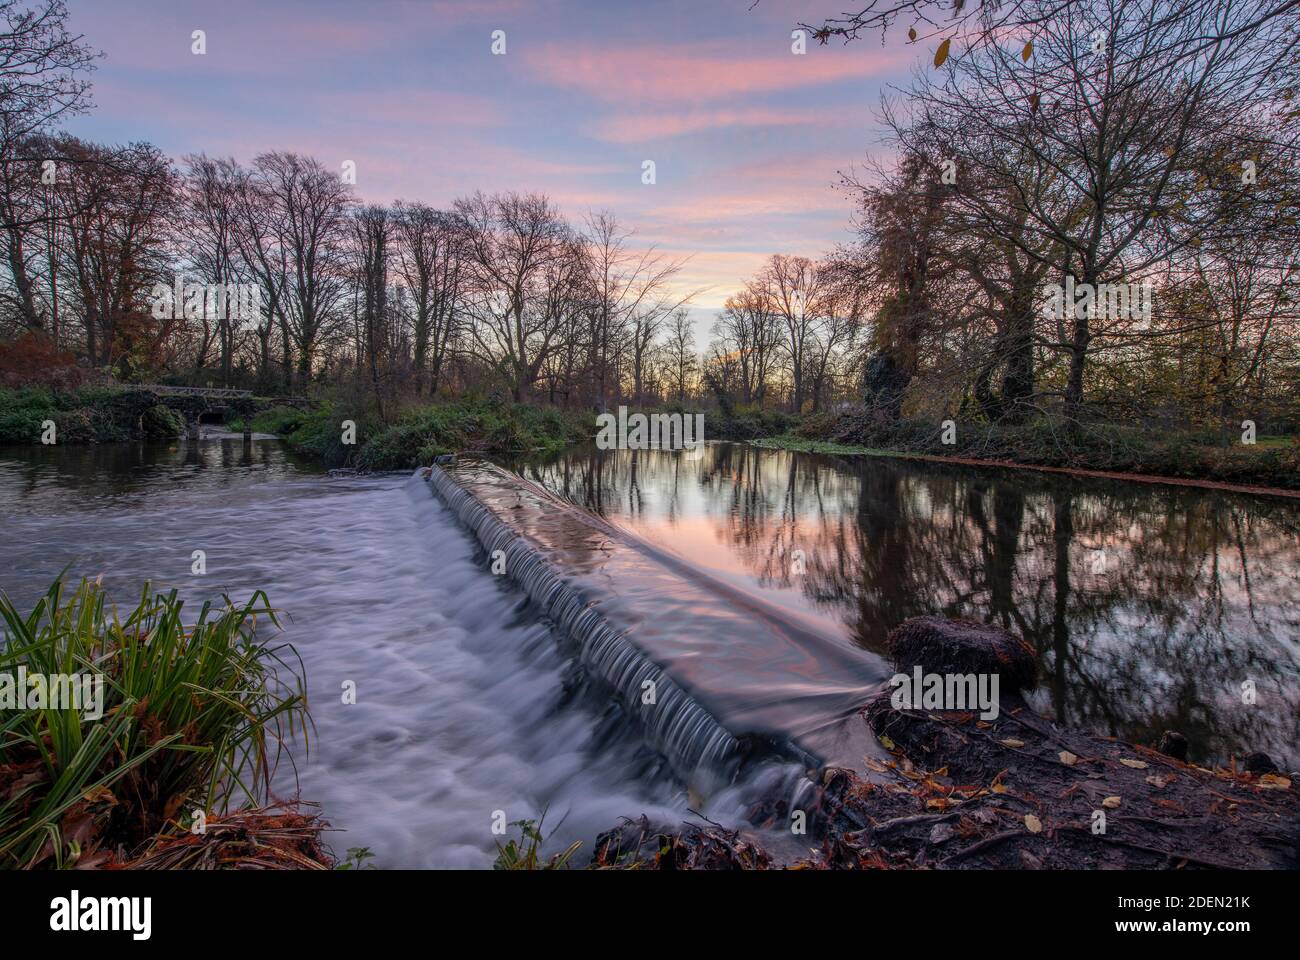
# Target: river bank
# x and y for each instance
(958, 792)
(1269, 463)
(422, 430)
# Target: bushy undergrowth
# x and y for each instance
(1057, 443)
(747, 423)
(86, 415)
(188, 717)
(281, 421)
(451, 426)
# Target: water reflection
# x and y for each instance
(42, 479)
(1150, 605)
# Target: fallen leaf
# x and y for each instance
(1012, 742)
(886, 742)
(1068, 758)
(1135, 764)
(999, 788)
(1271, 781)
(1111, 803)
(1157, 782)
(941, 54)
(1033, 824)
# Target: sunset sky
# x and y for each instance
(747, 138)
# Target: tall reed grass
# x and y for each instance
(194, 718)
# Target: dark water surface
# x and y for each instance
(1150, 605)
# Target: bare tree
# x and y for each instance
(307, 209)
(526, 270)
(372, 229)
(1115, 140)
(118, 247)
(431, 252)
(43, 78)
(632, 294)
(680, 353)
(210, 218)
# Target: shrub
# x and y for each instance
(161, 423)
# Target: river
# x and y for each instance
(1151, 606)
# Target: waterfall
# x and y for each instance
(703, 752)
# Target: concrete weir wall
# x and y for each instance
(543, 544)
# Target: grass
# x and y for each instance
(280, 421)
(192, 718)
(526, 852)
(1049, 442)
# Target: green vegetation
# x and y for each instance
(525, 853)
(419, 435)
(86, 415)
(356, 859)
(187, 717)
(1203, 455)
(278, 420)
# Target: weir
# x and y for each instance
(728, 673)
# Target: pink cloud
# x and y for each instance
(697, 72)
(639, 128)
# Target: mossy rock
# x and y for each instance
(942, 646)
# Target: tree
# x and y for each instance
(372, 228)
(431, 250)
(43, 78)
(211, 214)
(1114, 141)
(117, 249)
(632, 294)
(679, 352)
(526, 270)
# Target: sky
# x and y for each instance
(748, 139)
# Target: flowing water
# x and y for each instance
(1153, 607)
(1150, 606)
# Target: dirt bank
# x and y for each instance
(1012, 791)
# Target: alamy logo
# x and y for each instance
(207, 301)
(56, 691)
(946, 691)
(1109, 301)
(75, 913)
(660, 431)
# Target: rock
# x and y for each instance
(1173, 744)
(1259, 763)
(942, 646)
